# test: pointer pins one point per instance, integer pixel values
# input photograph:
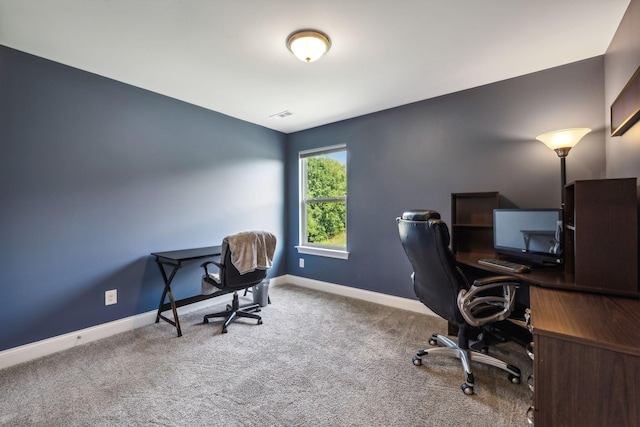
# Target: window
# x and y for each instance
(323, 202)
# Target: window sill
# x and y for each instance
(330, 253)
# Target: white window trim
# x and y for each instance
(316, 250)
(330, 253)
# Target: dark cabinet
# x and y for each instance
(601, 235)
(587, 359)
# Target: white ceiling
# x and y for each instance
(230, 55)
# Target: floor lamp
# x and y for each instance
(561, 141)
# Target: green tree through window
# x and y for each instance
(325, 198)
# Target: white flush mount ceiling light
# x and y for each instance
(308, 45)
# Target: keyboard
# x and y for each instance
(501, 264)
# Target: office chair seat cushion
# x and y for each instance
(420, 215)
(210, 284)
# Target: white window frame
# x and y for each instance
(305, 247)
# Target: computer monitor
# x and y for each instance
(532, 236)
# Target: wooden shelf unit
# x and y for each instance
(472, 221)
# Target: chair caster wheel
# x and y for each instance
(224, 331)
(205, 321)
(514, 379)
(260, 322)
(467, 389)
(433, 340)
(417, 361)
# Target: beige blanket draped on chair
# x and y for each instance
(251, 250)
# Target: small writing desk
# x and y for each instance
(174, 260)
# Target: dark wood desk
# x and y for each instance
(587, 359)
(174, 260)
(547, 277)
(587, 350)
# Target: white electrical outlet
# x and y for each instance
(301, 262)
(111, 297)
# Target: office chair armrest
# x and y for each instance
(205, 264)
(479, 307)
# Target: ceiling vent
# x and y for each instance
(281, 115)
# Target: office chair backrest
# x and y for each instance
(252, 252)
(436, 278)
(230, 277)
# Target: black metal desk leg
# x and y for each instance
(167, 290)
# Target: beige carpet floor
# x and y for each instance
(317, 360)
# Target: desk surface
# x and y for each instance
(607, 322)
(552, 277)
(188, 254)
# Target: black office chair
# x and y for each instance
(442, 287)
(244, 260)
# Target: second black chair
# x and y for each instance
(244, 260)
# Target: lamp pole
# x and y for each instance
(563, 179)
(562, 153)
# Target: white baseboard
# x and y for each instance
(27, 352)
(35, 350)
(361, 294)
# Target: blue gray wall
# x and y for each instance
(416, 155)
(96, 174)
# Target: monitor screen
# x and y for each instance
(532, 235)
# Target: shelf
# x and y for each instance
(472, 221)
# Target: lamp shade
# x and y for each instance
(308, 45)
(563, 139)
